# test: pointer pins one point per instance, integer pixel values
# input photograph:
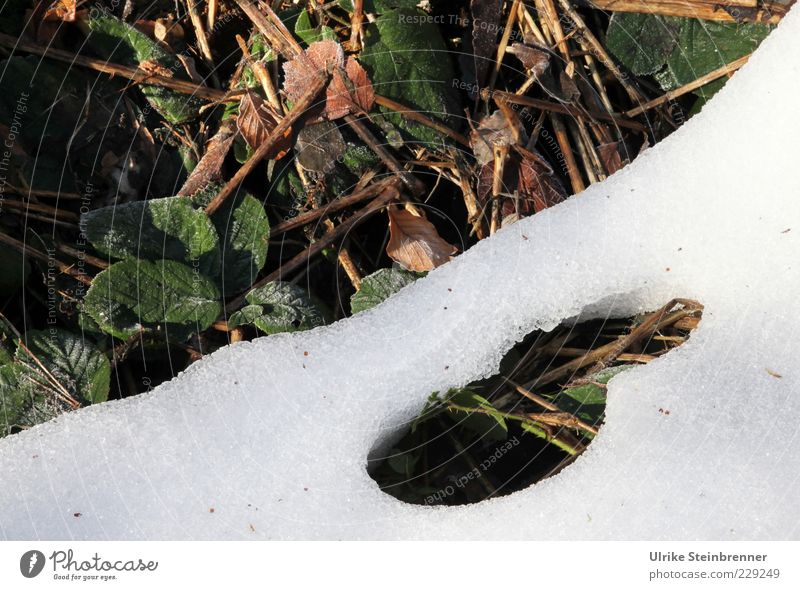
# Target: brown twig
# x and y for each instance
(33, 253)
(745, 10)
(410, 113)
(134, 74)
(299, 109)
(272, 28)
(566, 109)
(725, 70)
(389, 194)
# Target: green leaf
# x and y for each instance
(75, 363)
(643, 42)
(484, 421)
(408, 61)
(157, 229)
(588, 402)
(680, 50)
(379, 286)
(279, 307)
(243, 228)
(380, 6)
(118, 41)
(309, 33)
(706, 46)
(163, 297)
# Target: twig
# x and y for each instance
(503, 45)
(299, 109)
(389, 194)
(335, 205)
(414, 184)
(748, 11)
(134, 74)
(200, 34)
(33, 253)
(355, 24)
(547, 405)
(272, 28)
(725, 70)
(410, 113)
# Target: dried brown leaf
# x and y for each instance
(535, 61)
(414, 242)
(321, 56)
(527, 175)
(610, 156)
(493, 131)
(60, 11)
(350, 91)
(256, 121)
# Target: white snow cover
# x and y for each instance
(276, 440)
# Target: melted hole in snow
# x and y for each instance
(502, 434)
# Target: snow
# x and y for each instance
(274, 435)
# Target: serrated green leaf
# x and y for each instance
(279, 307)
(408, 61)
(118, 41)
(75, 362)
(379, 286)
(157, 229)
(165, 297)
(243, 228)
(705, 46)
(482, 417)
(642, 42)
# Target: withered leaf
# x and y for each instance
(528, 175)
(350, 91)
(319, 146)
(209, 167)
(414, 242)
(610, 156)
(535, 61)
(493, 131)
(60, 10)
(569, 88)
(256, 121)
(319, 57)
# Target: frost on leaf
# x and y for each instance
(256, 121)
(349, 89)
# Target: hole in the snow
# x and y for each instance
(502, 434)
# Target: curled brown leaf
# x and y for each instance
(256, 121)
(414, 242)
